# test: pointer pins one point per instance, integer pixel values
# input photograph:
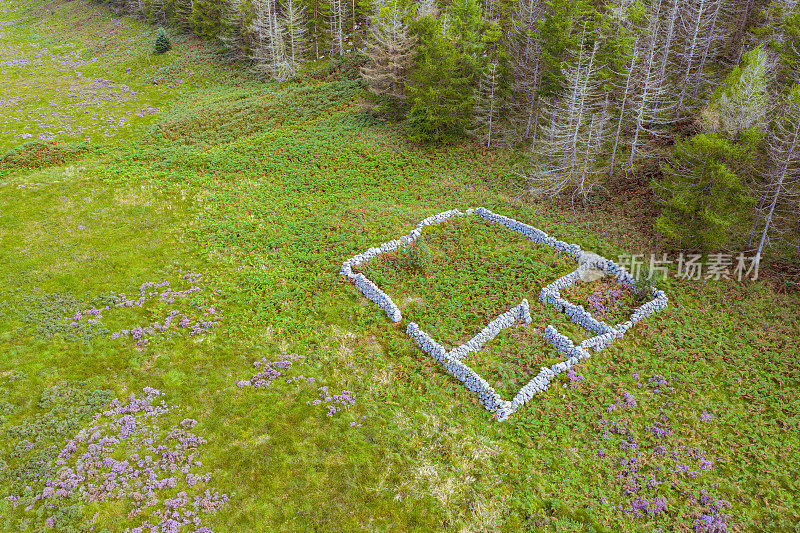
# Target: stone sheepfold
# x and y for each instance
(453, 360)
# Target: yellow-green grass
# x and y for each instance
(267, 214)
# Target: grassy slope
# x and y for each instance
(267, 208)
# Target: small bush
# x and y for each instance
(163, 44)
(419, 254)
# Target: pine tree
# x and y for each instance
(269, 49)
(623, 109)
(700, 30)
(232, 34)
(490, 99)
(788, 44)
(155, 10)
(390, 52)
(744, 10)
(336, 27)
(742, 101)
(650, 101)
(488, 105)
(163, 44)
(206, 18)
(183, 13)
(700, 193)
(560, 33)
(439, 87)
(465, 30)
(525, 51)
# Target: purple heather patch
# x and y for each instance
(609, 300)
(194, 321)
(269, 371)
(125, 456)
(641, 475)
(573, 377)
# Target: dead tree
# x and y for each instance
(294, 25)
(577, 126)
(269, 51)
(783, 190)
(390, 52)
(525, 49)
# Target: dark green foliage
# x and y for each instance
(700, 192)
(560, 34)
(615, 46)
(440, 90)
(789, 47)
(206, 18)
(347, 66)
(466, 28)
(163, 44)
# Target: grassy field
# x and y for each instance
(167, 221)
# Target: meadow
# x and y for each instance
(172, 227)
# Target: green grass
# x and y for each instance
(265, 189)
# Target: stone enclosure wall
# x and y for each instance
(454, 360)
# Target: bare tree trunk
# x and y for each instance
(782, 172)
(624, 103)
(693, 43)
(739, 36)
(662, 71)
(704, 57)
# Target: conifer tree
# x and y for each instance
(577, 124)
(699, 31)
(700, 193)
(336, 26)
(206, 18)
(295, 30)
(788, 44)
(782, 193)
(439, 87)
(488, 105)
(742, 101)
(560, 33)
(269, 49)
(232, 33)
(390, 52)
(525, 51)
(183, 13)
(489, 100)
(650, 101)
(163, 43)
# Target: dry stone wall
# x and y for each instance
(453, 360)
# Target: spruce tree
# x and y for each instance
(700, 192)
(206, 18)
(163, 43)
(439, 88)
(781, 197)
(742, 101)
(560, 35)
